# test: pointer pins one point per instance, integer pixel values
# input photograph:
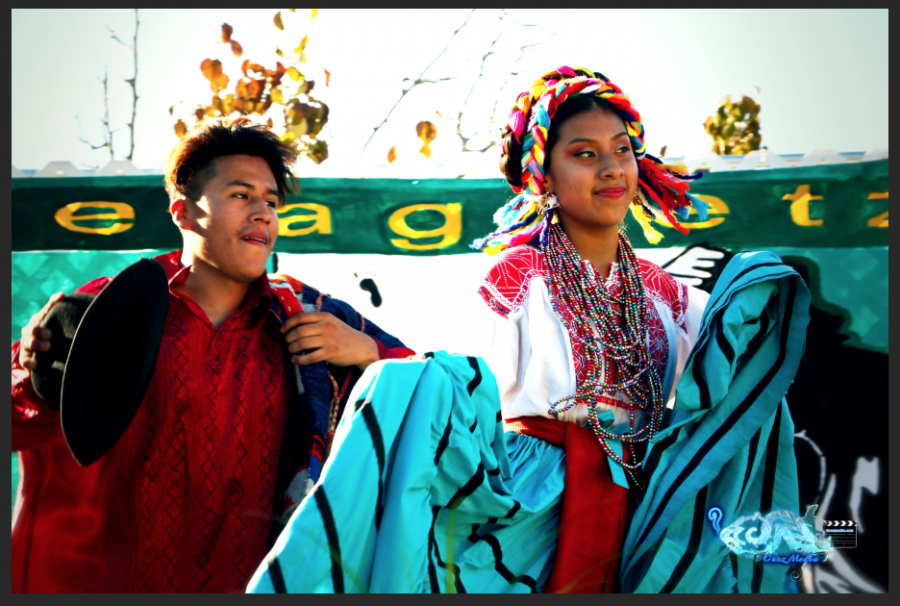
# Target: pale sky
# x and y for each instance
(823, 74)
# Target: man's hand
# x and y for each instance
(35, 338)
(332, 341)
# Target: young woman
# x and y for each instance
(583, 331)
(526, 470)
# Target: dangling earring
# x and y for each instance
(549, 201)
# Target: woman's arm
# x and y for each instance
(686, 337)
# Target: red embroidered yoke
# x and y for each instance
(535, 359)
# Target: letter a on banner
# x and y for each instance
(321, 221)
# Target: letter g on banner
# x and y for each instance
(450, 231)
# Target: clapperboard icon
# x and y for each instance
(842, 533)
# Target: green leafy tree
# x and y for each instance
(278, 96)
(735, 127)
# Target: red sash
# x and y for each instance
(594, 513)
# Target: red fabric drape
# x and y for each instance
(594, 514)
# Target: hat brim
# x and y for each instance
(62, 321)
(112, 359)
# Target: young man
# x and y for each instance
(227, 438)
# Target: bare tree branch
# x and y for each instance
(115, 37)
(133, 83)
(493, 49)
(508, 16)
(522, 50)
(107, 132)
(93, 147)
(108, 137)
(418, 80)
(459, 115)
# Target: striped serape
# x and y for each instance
(729, 441)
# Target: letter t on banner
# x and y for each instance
(800, 200)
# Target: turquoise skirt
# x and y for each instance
(424, 492)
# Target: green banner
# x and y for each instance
(838, 206)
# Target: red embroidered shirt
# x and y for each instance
(184, 501)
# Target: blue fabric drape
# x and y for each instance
(423, 491)
(729, 440)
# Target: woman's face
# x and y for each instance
(593, 171)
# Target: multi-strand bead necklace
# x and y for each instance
(621, 351)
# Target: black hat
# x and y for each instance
(103, 352)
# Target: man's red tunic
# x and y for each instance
(184, 501)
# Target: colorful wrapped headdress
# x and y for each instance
(662, 189)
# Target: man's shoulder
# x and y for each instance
(94, 286)
(289, 282)
(309, 297)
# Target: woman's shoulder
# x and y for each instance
(660, 286)
(507, 282)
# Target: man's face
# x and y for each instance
(233, 226)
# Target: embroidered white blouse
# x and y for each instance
(532, 355)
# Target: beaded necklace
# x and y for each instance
(621, 349)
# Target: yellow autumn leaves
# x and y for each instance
(212, 70)
(427, 132)
(236, 47)
(735, 127)
(285, 104)
(280, 24)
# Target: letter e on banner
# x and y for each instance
(321, 220)
(717, 206)
(450, 231)
(66, 217)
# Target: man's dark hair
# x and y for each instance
(189, 165)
